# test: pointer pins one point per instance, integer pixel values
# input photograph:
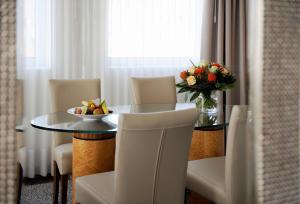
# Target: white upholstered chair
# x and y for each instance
(63, 95)
(222, 179)
(150, 163)
(158, 90)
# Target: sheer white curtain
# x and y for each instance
(56, 39)
(149, 38)
(107, 39)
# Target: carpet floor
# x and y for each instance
(39, 191)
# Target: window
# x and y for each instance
(36, 33)
(141, 33)
(145, 31)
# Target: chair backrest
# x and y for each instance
(154, 90)
(65, 94)
(235, 165)
(19, 111)
(151, 156)
(20, 99)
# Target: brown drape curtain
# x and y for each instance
(223, 40)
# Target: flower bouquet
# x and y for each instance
(202, 80)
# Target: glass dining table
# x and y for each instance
(94, 140)
(65, 122)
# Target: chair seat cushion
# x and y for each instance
(63, 158)
(207, 178)
(96, 188)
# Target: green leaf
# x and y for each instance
(181, 84)
(218, 85)
(194, 96)
(182, 90)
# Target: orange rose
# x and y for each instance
(211, 77)
(183, 75)
(199, 70)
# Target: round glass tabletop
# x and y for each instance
(64, 122)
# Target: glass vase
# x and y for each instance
(207, 102)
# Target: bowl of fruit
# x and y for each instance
(91, 110)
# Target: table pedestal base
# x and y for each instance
(90, 157)
(206, 144)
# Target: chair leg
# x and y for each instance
(20, 182)
(64, 188)
(195, 198)
(186, 196)
(55, 183)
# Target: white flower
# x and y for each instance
(192, 70)
(213, 69)
(204, 63)
(225, 71)
(191, 80)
